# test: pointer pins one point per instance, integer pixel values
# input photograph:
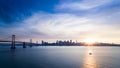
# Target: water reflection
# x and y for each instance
(90, 59)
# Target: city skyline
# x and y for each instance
(82, 20)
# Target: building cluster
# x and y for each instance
(71, 43)
(68, 42)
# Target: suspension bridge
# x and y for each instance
(13, 41)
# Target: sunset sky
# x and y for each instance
(81, 20)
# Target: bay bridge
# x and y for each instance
(13, 41)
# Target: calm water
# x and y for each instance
(60, 57)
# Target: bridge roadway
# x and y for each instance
(11, 41)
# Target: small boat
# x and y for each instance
(90, 53)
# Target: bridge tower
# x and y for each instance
(13, 42)
(31, 43)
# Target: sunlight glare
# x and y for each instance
(90, 41)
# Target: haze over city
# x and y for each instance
(51, 20)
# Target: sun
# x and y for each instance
(90, 41)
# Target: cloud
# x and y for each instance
(82, 5)
(66, 26)
(70, 26)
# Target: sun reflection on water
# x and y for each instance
(89, 60)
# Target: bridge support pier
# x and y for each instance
(13, 42)
(24, 45)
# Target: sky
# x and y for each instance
(52, 20)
